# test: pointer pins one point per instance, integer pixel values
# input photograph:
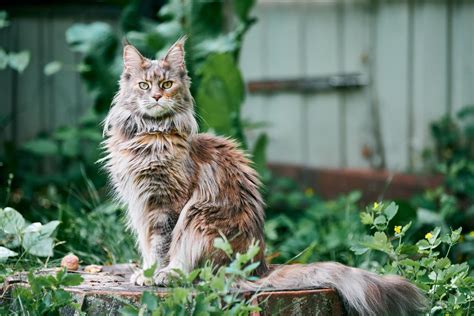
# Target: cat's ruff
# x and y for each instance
(183, 189)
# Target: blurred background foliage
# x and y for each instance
(55, 175)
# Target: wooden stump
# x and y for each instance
(106, 292)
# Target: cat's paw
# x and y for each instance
(139, 278)
(163, 277)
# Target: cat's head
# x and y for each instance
(155, 88)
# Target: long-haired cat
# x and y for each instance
(183, 189)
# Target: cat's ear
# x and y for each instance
(175, 55)
(132, 59)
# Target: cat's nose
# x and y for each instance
(157, 96)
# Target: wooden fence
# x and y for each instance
(415, 59)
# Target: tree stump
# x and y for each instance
(106, 292)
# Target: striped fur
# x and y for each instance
(363, 292)
(183, 189)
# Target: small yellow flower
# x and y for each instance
(471, 233)
(397, 229)
(309, 192)
(376, 205)
(428, 236)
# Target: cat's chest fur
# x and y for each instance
(151, 168)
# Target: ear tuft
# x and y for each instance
(175, 55)
(132, 57)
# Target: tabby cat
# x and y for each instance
(183, 189)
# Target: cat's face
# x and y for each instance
(155, 88)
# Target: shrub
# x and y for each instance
(426, 263)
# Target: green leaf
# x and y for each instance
(180, 294)
(52, 68)
(193, 275)
(410, 262)
(148, 273)
(425, 216)
(251, 267)
(223, 245)
(366, 218)
(218, 283)
(71, 148)
(38, 283)
(150, 300)
(83, 37)
(408, 250)
(259, 157)
(72, 279)
(11, 221)
(380, 237)
(423, 244)
(101, 66)
(129, 311)
(19, 61)
(455, 235)
(36, 239)
(65, 133)
(49, 228)
(36, 246)
(93, 134)
(442, 263)
(61, 297)
(33, 227)
(41, 147)
(220, 95)
(6, 253)
(243, 7)
(435, 234)
(391, 210)
(359, 250)
(221, 44)
(380, 221)
(60, 275)
(406, 228)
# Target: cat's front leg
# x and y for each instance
(158, 243)
(188, 246)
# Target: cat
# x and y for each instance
(183, 189)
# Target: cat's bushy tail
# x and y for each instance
(363, 292)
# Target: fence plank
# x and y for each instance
(6, 115)
(252, 59)
(252, 62)
(322, 119)
(63, 82)
(391, 75)
(356, 17)
(463, 52)
(283, 110)
(30, 81)
(430, 77)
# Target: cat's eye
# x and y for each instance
(143, 85)
(167, 84)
